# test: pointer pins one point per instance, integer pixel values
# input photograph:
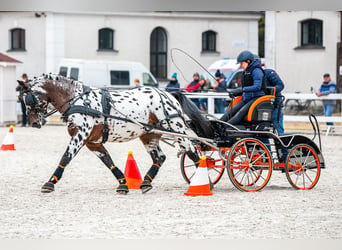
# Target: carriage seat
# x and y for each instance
(261, 109)
(258, 110)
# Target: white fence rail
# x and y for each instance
(211, 96)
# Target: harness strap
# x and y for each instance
(105, 101)
(107, 104)
(81, 109)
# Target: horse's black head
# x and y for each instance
(36, 101)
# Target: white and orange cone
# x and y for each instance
(8, 142)
(200, 184)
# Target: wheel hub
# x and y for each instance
(299, 168)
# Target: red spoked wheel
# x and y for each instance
(302, 167)
(215, 166)
(249, 165)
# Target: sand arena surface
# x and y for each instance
(85, 204)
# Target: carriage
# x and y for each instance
(250, 151)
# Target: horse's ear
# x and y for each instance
(22, 84)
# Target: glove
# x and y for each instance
(235, 92)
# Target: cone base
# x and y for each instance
(194, 194)
(7, 147)
(199, 190)
(133, 183)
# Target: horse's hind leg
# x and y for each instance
(104, 156)
(151, 143)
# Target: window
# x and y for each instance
(148, 80)
(158, 53)
(106, 39)
(63, 71)
(312, 32)
(209, 41)
(74, 73)
(17, 39)
(119, 77)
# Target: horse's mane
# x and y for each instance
(199, 123)
(67, 84)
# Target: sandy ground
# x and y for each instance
(86, 206)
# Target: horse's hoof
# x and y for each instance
(145, 186)
(122, 189)
(48, 187)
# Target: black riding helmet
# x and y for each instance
(244, 56)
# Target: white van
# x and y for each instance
(117, 74)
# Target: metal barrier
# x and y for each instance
(211, 96)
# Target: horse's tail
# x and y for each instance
(199, 123)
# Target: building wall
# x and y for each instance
(303, 68)
(8, 102)
(53, 36)
(132, 37)
(34, 57)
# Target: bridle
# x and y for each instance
(40, 109)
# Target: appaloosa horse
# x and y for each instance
(94, 116)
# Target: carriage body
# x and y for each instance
(251, 150)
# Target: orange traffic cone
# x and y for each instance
(8, 142)
(132, 173)
(200, 182)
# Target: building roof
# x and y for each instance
(4, 58)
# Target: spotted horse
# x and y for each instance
(95, 116)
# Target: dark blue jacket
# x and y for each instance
(222, 86)
(255, 89)
(172, 86)
(273, 80)
(326, 89)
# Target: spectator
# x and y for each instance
(21, 89)
(203, 102)
(327, 87)
(173, 84)
(219, 86)
(273, 80)
(137, 83)
(194, 86)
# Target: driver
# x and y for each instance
(253, 86)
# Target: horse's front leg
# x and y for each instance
(100, 151)
(151, 143)
(78, 137)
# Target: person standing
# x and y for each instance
(195, 86)
(327, 87)
(203, 102)
(21, 90)
(219, 85)
(137, 83)
(173, 84)
(274, 80)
